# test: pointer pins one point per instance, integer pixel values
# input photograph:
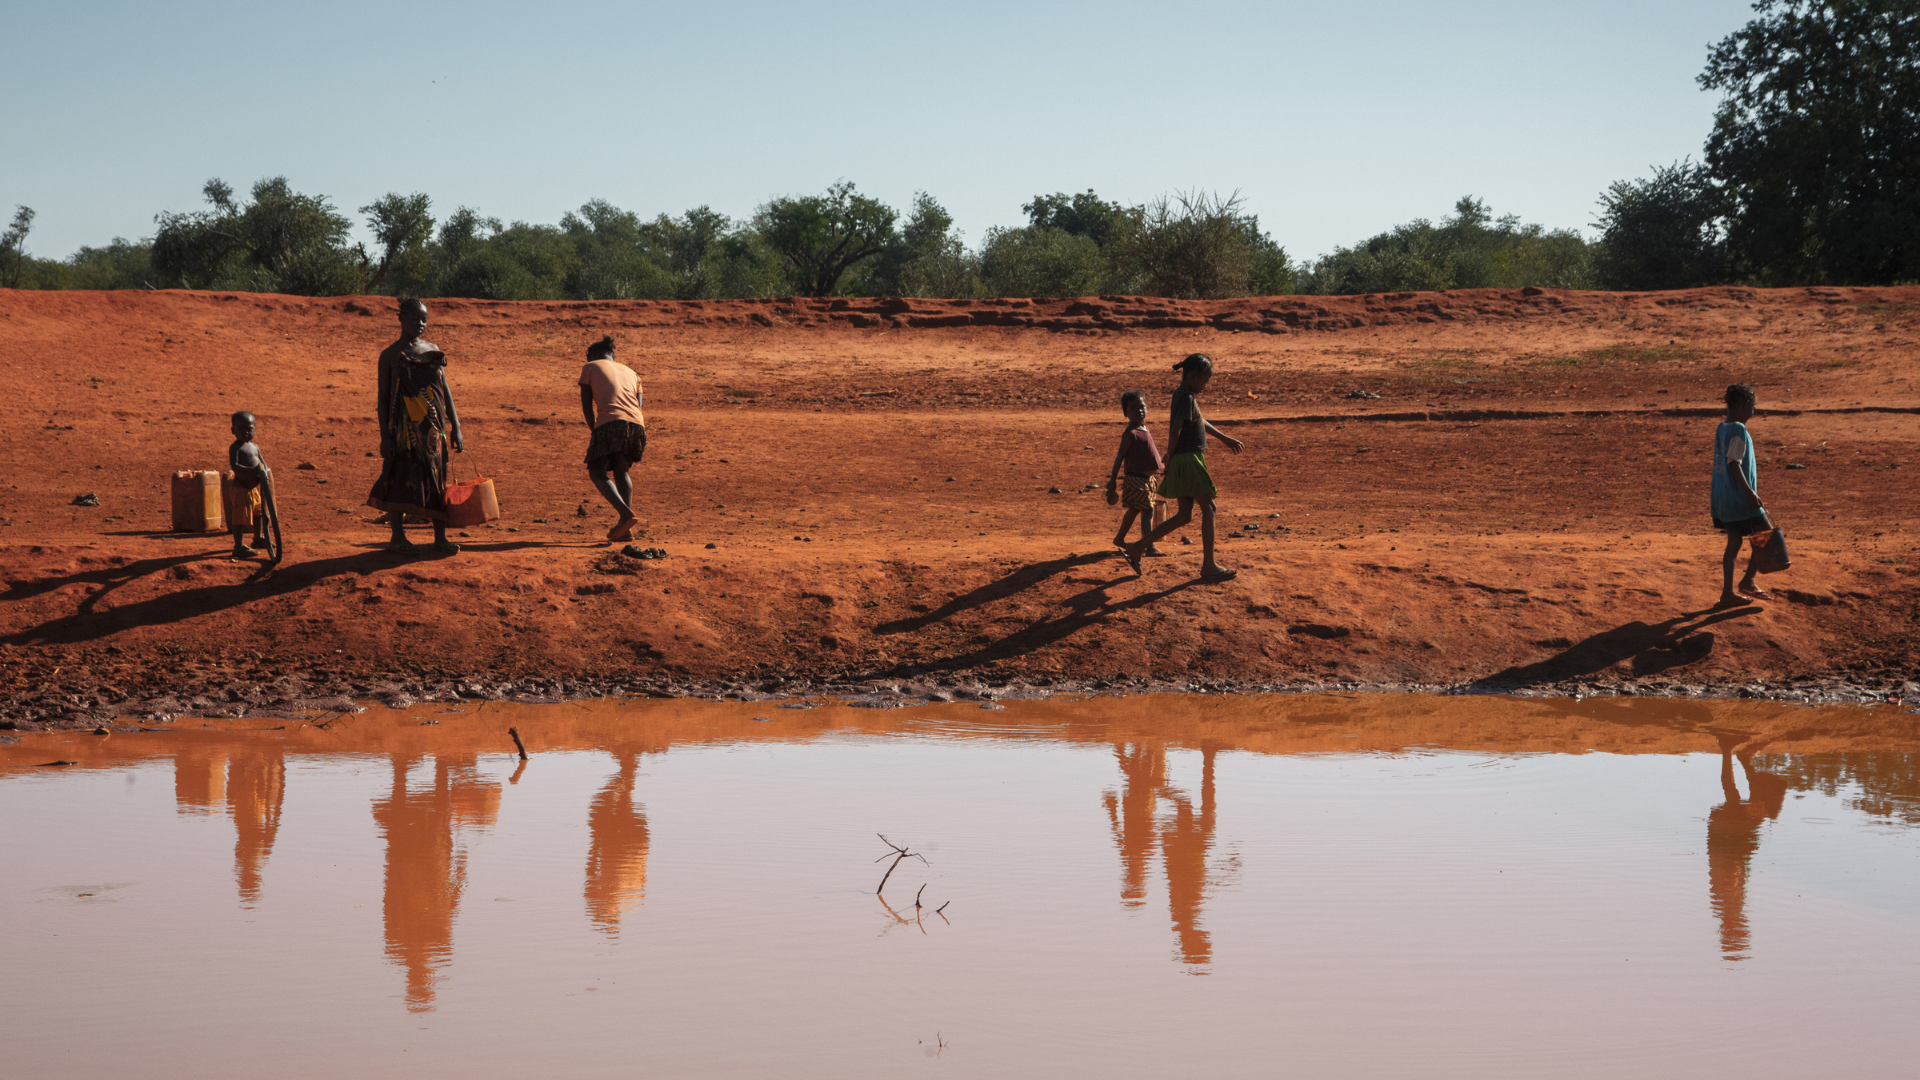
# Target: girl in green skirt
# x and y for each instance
(1186, 478)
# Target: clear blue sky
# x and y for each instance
(1334, 120)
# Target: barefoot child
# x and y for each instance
(248, 475)
(1142, 460)
(1186, 478)
(610, 397)
(1736, 492)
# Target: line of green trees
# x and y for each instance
(840, 242)
(1811, 175)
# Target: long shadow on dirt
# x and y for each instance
(89, 623)
(1019, 581)
(1648, 648)
(1086, 609)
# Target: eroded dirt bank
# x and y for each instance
(1487, 489)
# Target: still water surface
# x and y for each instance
(1377, 885)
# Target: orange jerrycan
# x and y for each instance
(196, 502)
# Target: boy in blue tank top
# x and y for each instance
(1736, 494)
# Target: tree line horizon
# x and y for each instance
(1809, 176)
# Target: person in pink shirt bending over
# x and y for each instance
(1137, 454)
(610, 397)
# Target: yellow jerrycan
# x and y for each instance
(196, 501)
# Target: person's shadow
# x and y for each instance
(1084, 609)
(89, 621)
(1648, 648)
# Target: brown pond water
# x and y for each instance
(1369, 885)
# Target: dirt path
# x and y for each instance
(1522, 503)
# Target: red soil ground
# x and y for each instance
(867, 486)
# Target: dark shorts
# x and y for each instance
(616, 438)
(1745, 526)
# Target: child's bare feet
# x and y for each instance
(445, 547)
(402, 545)
(1748, 588)
(623, 529)
(1154, 552)
(1218, 573)
(242, 551)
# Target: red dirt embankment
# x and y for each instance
(1498, 486)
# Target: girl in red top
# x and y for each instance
(1141, 458)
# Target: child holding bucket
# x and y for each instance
(1736, 494)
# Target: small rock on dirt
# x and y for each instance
(89, 499)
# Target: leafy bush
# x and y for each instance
(925, 258)
(1664, 232)
(14, 260)
(282, 241)
(1470, 250)
(1034, 261)
(1200, 246)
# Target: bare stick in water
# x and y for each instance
(916, 896)
(941, 908)
(515, 732)
(900, 854)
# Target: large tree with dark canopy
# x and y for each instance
(1818, 141)
(821, 237)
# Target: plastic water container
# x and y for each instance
(196, 502)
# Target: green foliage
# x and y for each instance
(282, 241)
(822, 237)
(613, 258)
(403, 228)
(1085, 214)
(925, 258)
(122, 264)
(1469, 250)
(1664, 232)
(1817, 141)
(1200, 246)
(1039, 261)
(14, 261)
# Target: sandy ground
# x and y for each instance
(868, 489)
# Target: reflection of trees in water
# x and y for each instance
(426, 865)
(616, 849)
(1884, 784)
(1183, 837)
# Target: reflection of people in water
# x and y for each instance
(250, 785)
(1185, 839)
(616, 849)
(426, 867)
(1733, 835)
(256, 786)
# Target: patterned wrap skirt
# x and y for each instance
(1139, 492)
(414, 479)
(616, 438)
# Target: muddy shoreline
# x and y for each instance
(316, 695)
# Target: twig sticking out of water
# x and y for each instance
(900, 854)
(941, 908)
(515, 732)
(916, 898)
